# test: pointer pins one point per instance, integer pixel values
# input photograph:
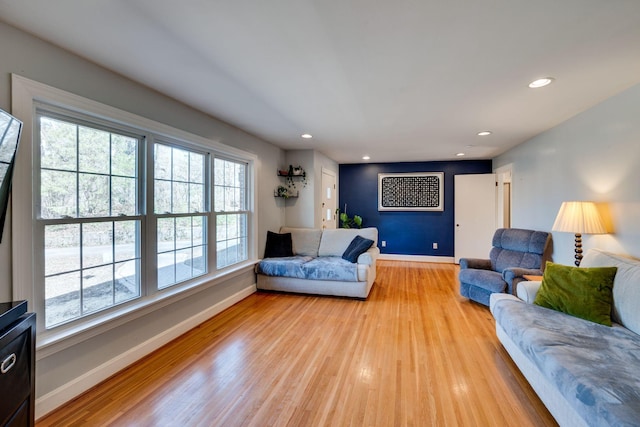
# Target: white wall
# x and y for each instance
(305, 211)
(37, 60)
(592, 156)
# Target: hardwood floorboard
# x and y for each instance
(414, 354)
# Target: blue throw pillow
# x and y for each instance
(278, 245)
(358, 246)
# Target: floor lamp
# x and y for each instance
(579, 218)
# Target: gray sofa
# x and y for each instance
(317, 266)
(585, 373)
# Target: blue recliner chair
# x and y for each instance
(515, 252)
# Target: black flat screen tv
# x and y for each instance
(10, 129)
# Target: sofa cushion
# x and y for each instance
(357, 247)
(582, 292)
(278, 245)
(335, 241)
(593, 366)
(321, 268)
(305, 240)
(287, 267)
(626, 285)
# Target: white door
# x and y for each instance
(329, 203)
(475, 215)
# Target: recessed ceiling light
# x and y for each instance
(366, 157)
(306, 135)
(541, 82)
(459, 154)
(484, 133)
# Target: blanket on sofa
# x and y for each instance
(306, 267)
(594, 366)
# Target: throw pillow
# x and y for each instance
(278, 245)
(586, 293)
(358, 246)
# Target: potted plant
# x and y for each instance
(296, 171)
(283, 191)
(347, 222)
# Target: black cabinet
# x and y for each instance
(17, 371)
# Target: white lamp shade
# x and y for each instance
(579, 217)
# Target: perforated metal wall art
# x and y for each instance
(417, 191)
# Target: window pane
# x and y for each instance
(94, 195)
(62, 298)
(97, 247)
(199, 260)
(218, 197)
(127, 278)
(198, 231)
(57, 194)
(221, 228)
(162, 162)
(180, 197)
(58, 148)
(61, 248)
(196, 198)
(196, 171)
(183, 265)
(180, 165)
(93, 148)
(183, 233)
(162, 196)
(97, 288)
(124, 155)
(125, 240)
(166, 234)
(123, 196)
(218, 171)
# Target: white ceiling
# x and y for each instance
(399, 80)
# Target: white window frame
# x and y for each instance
(26, 94)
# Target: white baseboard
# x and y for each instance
(79, 385)
(417, 258)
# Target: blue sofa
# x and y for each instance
(317, 266)
(585, 373)
(515, 252)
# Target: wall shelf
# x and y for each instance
(288, 195)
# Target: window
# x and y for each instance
(230, 183)
(88, 217)
(180, 189)
(122, 213)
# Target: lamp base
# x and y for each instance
(578, 255)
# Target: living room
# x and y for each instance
(587, 153)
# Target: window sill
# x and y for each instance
(63, 337)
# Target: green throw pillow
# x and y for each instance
(581, 292)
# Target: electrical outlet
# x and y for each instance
(435, 245)
(384, 243)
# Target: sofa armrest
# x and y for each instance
(527, 291)
(481, 264)
(369, 257)
(495, 298)
(515, 275)
(510, 273)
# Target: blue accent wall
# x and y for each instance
(406, 232)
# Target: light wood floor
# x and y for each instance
(414, 354)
